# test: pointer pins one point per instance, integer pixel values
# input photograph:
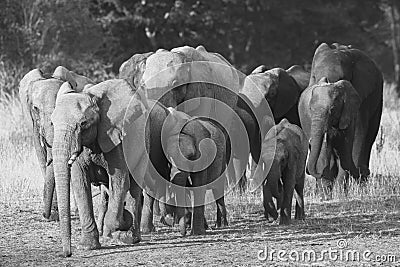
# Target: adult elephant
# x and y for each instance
(38, 93)
(99, 119)
(281, 91)
(340, 112)
(185, 78)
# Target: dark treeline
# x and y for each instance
(95, 36)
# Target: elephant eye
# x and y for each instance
(84, 124)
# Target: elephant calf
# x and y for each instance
(188, 150)
(287, 145)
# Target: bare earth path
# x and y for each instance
(370, 228)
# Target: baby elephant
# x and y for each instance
(287, 170)
(196, 146)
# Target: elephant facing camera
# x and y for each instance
(286, 175)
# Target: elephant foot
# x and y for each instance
(300, 216)
(53, 217)
(167, 220)
(219, 224)
(147, 229)
(127, 237)
(89, 241)
(284, 220)
(182, 226)
(199, 231)
(112, 225)
(271, 215)
(206, 227)
(364, 174)
(268, 217)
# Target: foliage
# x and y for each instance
(103, 33)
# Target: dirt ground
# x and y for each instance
(370, 228)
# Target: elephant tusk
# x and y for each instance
(72, 159)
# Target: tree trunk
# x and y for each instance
(394, 27)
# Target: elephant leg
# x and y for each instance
(253, 168)
(49, 182)
(199, 194)
(288, 189)
(299, 187)
(131, 215)
(118, 188)
(240, 171)
(167, 209)
(270, 212)
(218, 192)
(180, 180)
(82, 189)
(343, 178)
(156, 207)
(74, 207)
(198, 214)
(136, 193)
(134, 208)
(359, 138)
(102, 209)
(147, 214)
(188, 214)
(364, 156)
(231, 176)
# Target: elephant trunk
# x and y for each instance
(318, 132)
(62, 172)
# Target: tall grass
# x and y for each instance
(20, 177)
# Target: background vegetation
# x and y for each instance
(94, 37)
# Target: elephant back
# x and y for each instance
(338, 62)
(166, 70)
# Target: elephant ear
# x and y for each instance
(323, 81)
(64, 74)
(259, 69)
(321, 49)
(81, 81)
(25, 85)
(287, 93)
(351, 103)
(65, 88)
(300, 75)
(118, 105)
(87, 86)
(298, 140)
(176, 121)
(132, 70)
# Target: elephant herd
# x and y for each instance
(145, 136)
